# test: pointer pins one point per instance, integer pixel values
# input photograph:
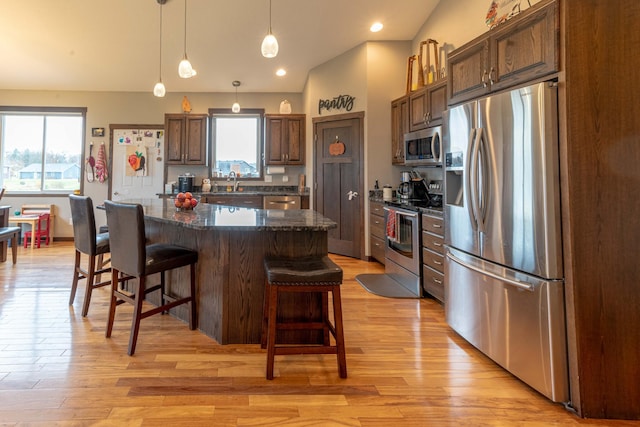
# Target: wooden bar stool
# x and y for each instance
(308, 274)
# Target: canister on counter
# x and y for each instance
(387, 193)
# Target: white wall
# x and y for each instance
(105, 108)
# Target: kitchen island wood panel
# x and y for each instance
(231, 243)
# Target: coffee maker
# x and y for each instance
(412, 187)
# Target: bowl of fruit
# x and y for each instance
(185, 201)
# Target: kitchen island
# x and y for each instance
(232, 243)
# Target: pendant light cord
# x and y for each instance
(185, 28)
(269, 16)
(160, 65)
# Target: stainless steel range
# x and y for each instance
(403, 251)
(402, 248)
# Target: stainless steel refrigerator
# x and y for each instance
(504, 288)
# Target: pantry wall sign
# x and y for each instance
(340, 102)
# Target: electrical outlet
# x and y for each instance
(268, 178)
(285, 178)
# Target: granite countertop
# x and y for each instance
(248, 190)
(375, 196)
(206, 216)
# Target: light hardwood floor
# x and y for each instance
(405, 366)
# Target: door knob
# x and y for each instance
(352, 194)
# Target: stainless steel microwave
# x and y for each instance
(423, 147)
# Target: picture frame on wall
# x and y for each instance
(97, 132)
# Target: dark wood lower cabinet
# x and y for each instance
(377, 232)
(433, 256)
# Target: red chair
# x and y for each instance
(41, 230)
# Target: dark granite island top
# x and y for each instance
(206, 216)
(231, 244)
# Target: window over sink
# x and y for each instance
(236, 141)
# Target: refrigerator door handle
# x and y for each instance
(482, 185)
(521, 285)
(467, 179)
(473, 172)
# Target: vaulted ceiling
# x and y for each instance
(115, 45)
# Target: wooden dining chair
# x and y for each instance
(133, 258)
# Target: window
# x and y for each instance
(41, 149)
(237, 143)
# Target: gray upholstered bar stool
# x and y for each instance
(133, 258)
(309, 274)
(88, 242)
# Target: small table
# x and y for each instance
(26, 219)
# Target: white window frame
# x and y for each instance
(46, 112)
(257, 113)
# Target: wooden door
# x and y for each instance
(339, 180)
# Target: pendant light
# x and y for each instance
(185, 70)
(236, 106)
(159, 90)
(269, 44)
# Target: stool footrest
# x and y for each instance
(305, 349)
(281, 326)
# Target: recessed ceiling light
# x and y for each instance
(377, 26)
(281, 72)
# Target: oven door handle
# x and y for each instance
(409, 214)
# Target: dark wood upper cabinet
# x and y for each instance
(399, 126)
(518, 51)
(185, 139)
(427, 105)
(467, 71)
(284, 139)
